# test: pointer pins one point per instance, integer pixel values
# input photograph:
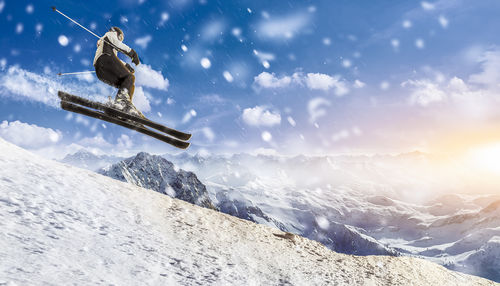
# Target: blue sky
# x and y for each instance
(314, 77)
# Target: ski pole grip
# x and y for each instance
(53, 8)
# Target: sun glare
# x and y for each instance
(486, 157)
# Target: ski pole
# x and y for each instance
(72, 73)
(55, 10)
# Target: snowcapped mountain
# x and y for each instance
(88, 160)
(64, 225)
(158, 174)
(364, 204)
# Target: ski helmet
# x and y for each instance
(119, 32)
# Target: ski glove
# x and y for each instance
(130, 68)
(133, 55)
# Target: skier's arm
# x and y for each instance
(113, 38)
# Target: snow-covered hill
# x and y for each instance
(62, 225)
(365, 205)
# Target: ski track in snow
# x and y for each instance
(62, 225)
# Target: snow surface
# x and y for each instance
(63, 225)
(398, 204)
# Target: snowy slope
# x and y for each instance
(366, 205)
(62, 225)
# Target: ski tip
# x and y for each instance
(53, 8)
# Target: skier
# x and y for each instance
(111, 70)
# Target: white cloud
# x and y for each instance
(19, 84)
(314, 81)
(358, 84)
(3, 63)
(424, 92)
(29, 135)
(96, 141)
(124, 142)
(285, 27)
(144, 41)
(316, 108)
(147, 77)
(88, 77)
(326, 82)
(267, 80)
(260, 116)
(346, 133)
(141, 100)
(490, 66)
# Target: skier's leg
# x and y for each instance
(110, 71)
(128, 83)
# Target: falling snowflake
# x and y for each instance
(19, 28)
(323, 222)
(443, 21)
(39, 28)
(184, 48)
(63, 40)
(407, 24)
(30, 9)
(266, 136)
(427, 6)
(227, 75)
(205, 63)
(384, 85)
(419, 43)
(346, 63)
(395, 43)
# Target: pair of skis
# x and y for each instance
(104, 112)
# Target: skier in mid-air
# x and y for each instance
(111, 70)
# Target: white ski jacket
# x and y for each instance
(112, 37)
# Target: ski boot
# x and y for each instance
(122, 102)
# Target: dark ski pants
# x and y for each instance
(112, 71)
